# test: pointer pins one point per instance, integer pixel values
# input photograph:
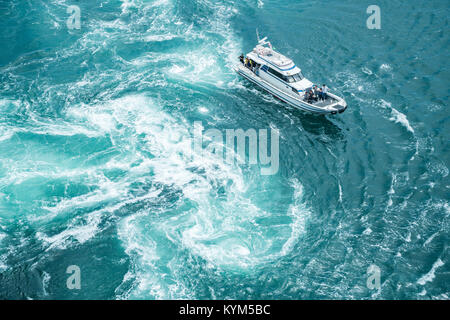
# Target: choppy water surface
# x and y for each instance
(96, 166)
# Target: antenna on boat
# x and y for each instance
(262, 41)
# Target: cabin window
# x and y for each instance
(298, 77)
(289, 79)
(276, 73)
(281, 76)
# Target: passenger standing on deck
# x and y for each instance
(310, 96)
(321, 96)
(314, 89)
(325, 92)
(314, 93)
(306, 97)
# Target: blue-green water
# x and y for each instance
(95, 168)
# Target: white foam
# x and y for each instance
(431, 274)
(203, 110)
(45, 281)
(422, 293)
(81, 233)
(126, 5)
(299, 212)
(201, 64)
(438, 167)
(391, 190)
(428, 241)
(353, 83)
(385, 67)
(397, 116)
(367, 71)
(107, 191)
(221, 231)
(159, 37)
(434, 107)
(3, 265)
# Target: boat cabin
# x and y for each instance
(276, 69)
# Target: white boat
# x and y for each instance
(281, 77)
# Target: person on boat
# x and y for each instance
(249, 64)
(241, 58)
(257, 66)
(321, 96)
(314, 93)
(306, 96)
(310, 96)
(325, 91)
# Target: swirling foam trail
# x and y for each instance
(140, 171)
(214, 218)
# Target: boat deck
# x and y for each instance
(325, 103)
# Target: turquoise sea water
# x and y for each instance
(95, 166)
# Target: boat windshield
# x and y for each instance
(295, 78)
